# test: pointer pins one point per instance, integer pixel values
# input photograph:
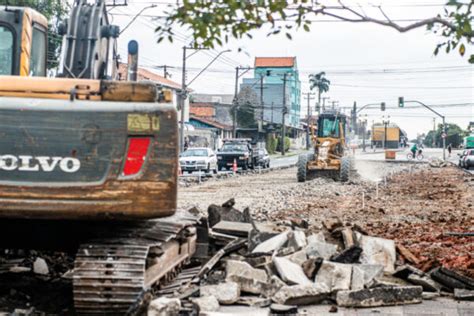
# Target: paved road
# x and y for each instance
(438, 307)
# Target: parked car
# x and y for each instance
(261, 158)
(466, 159)
(195, 159)
(238, 150)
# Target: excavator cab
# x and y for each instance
(23, 42)
(328, 159)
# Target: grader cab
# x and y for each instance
(329, 159)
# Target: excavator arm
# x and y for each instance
(87, 39)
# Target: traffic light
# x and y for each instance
(382, 106)
(401, 102)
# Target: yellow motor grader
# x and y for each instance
(329, 158)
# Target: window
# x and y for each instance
(38, 54)
(6, 51)
(329, 128)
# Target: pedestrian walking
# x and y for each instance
(450, 147)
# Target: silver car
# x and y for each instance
(198, 159)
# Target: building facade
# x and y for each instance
(276, 78)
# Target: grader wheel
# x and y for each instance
(302, 168)
(345, 169)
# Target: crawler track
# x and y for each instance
(110, 274)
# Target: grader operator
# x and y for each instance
(329, 158)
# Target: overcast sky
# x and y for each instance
(365, 63)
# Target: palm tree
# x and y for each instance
(319, 81)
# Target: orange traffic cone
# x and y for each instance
(234, 166)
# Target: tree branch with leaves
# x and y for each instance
(214, 22)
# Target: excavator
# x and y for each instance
(89, 164)
(329, 158)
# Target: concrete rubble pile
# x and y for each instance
(284, 266)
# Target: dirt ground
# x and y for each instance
(416, 206)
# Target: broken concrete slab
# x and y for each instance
(244, 269)
(290, 272)
(349, 255)
(272, 244)
(164, 306)
(254, 301)
(425, 282)
(311, 267)
(298, 257)
(382, 296)
(256, 237)
(266, 289)
(332, 223)
(451, 280)
(371, 271)
(377, 251)
(320, 250)
(206, 303)
(319, 237)
(279, 309)
(348, 237)
(301, 294)
(334, 276)
(405, 270)
(357, 278)
(226, 212)
(430, 295)
(297, 239)
(226, 293)
(386, 280)
(274, 285)
(40, 266)
(464, 295)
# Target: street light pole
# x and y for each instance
(444, 123)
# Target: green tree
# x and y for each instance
(55, 11)
(214, 22)
(454, 137)
(320, 82)
(247, 102)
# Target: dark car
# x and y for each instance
(466, 159)
(261, 158)
(238, 150)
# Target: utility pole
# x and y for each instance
(308, 116)
(283, 128)
(234, 107)
(182, 98)
(236, 98)
(324, 103)
(183, 95)
(261, 100)
(165, 68)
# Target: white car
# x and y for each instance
(195, 159)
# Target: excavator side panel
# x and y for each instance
(90, 160)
